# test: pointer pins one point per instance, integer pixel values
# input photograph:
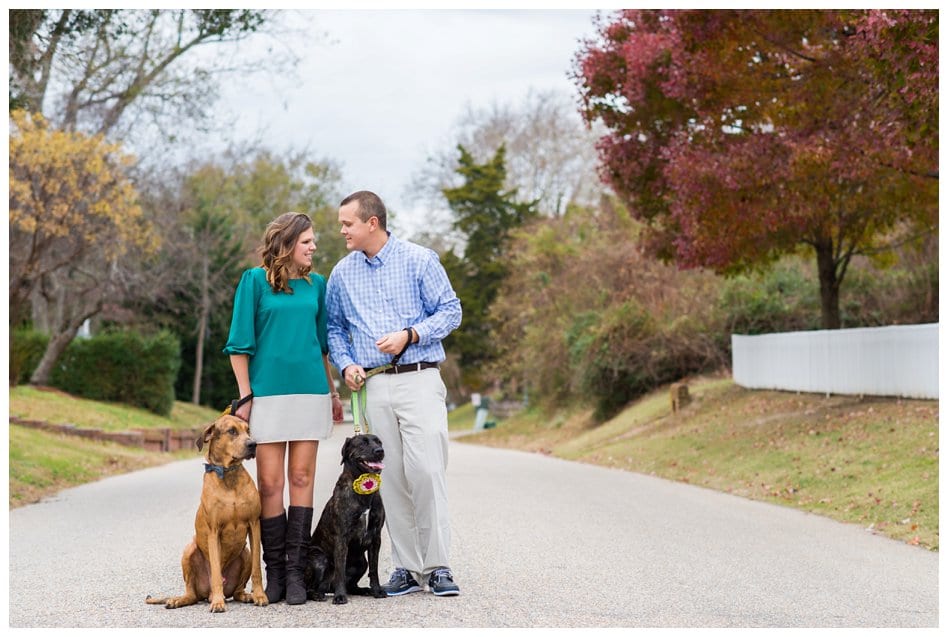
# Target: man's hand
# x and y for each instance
(394, 342)
(354, 376)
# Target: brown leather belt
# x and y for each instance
(400, 369)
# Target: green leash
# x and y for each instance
(358, 401)
(360, 422)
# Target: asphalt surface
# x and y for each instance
(537, 542)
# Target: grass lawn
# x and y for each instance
(42, 463)
(869, 461)
(461, 418)
(56, 407)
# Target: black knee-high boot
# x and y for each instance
(273, 539)
(299, 522)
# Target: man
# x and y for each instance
(391, 297)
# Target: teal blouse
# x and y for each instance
(283, 334)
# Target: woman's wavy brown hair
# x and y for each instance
(279, 240)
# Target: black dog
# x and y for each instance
(349, 533)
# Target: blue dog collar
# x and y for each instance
(218, 469)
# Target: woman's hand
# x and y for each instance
(244, 410)
(336, 407)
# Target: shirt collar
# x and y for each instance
(384, 253)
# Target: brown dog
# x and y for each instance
(217, 564)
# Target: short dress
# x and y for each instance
(284, 336)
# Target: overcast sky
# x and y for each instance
(378, 91)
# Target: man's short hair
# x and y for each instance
(370, 205)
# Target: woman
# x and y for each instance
(278, 350)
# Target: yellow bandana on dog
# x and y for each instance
(367, 483)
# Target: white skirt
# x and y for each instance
(291, 417)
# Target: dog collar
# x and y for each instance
(367, 483)
(218, 469)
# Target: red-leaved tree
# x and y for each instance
(740, 136)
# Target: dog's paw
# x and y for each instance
(340, 599)
(379, 594)
(260, 598)
(218, 606)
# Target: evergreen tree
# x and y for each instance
(485, 214)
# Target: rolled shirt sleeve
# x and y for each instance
(440, 302)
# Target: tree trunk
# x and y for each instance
(57, 345)
(199, 358)
(64, 306)
(829, 285)
(202, 328)
(43, 305)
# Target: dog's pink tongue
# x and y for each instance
(378, 466)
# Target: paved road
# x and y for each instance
(538, 542)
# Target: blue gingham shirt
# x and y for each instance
(404, 285)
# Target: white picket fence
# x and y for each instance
(899, 360)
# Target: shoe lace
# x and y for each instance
(442, 572)
(398, 574)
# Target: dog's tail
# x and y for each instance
(156, 600)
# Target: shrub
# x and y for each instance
(873, 296)
(785, 298)
(619, 357)
(26, 349)
(631, 353)
(122, 366)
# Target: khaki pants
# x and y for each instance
(408, 413)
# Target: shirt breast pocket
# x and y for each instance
(405, 308)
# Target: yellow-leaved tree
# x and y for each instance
(74, 217)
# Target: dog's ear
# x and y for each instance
(206, 436)
(345, 448)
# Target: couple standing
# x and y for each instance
(386, 297)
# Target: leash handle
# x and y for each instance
(360, 421)
(404, 349)
(236, 403)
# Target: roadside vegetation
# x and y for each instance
(59, 408)
(869, 461)
(43, 463)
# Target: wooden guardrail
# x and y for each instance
(163, 439)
